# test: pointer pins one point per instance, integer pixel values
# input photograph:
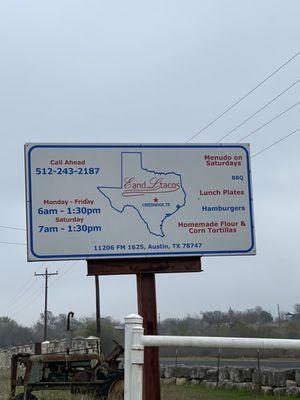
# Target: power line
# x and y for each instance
(244, 96)
(13, 302)
(63, 273)
(258, 111)
(271, 120)
(276, 142)
(21, 244)
(32, 296)
(23, 301)
(20, 291)
(36, 295)
(32, 299)
(12, 227)
(16, 298)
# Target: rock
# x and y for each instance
(289, 383)
(293, 391)
(297, 376)
(169, 381)
(273, 377)
(246, 386)
(200, 373)
(194, 373)
(240, 375)
(280, 391)
(240, 386)
(212, 375)
(277, 382)
(230, 385)
(182, 372)
(223, 374)
(247, 374)
(181, 381)
(169, 372)
(266, 389)
(235, 374)
(224, 384)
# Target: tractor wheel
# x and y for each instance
(116, 391)
(21, 396)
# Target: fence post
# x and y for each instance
(258, 369)
(218, 367)
(137, 363)
(130, 321)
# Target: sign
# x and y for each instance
(138, 200)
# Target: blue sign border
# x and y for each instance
(122, 255)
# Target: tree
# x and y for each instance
(12, 334)
(214, 318)
(256, 316)
(109, 333)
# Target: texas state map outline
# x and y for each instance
(168, 215)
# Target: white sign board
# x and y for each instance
(131, 200)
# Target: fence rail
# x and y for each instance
(135, 341)
(222, 342)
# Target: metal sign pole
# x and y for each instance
(146, 294)
(145, 270)
(98, 315)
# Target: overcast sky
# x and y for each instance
(137, 71)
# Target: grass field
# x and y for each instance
(4, 383)
(193, 392)
(169, 392)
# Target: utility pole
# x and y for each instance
(279, 317)
(46, 276)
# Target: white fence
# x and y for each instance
(135, 341)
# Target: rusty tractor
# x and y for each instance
(77, 373)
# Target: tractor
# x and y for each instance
(77, 373)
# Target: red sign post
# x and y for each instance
(145, 270)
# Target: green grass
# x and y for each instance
(169, 392)
(42, 395)
(4, 384)
(196, 392)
